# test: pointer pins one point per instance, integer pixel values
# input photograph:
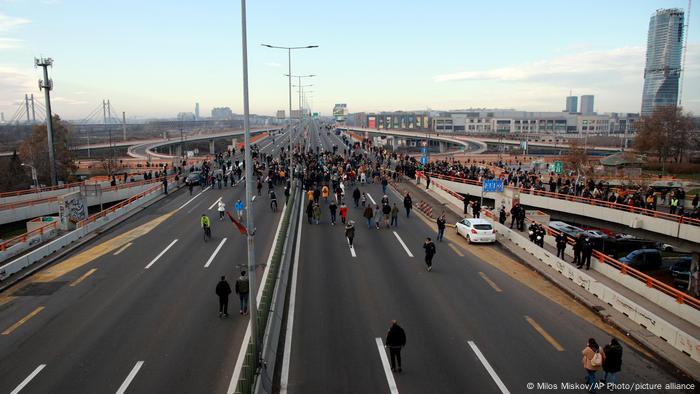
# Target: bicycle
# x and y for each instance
(207, 233)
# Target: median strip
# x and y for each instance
(15, 326)
(544, 334)
(82, 278)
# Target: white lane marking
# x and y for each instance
(246, 338)
(403, 244)
(352, 249)
(287, 355)
(123, 248)
(28, 379)
(371, 199)
(215, 202)
(130, 377)
(191, 199)
(489, 369)
(160, 254)
(387, 369)
(214, 254)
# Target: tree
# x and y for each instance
(13, 176)
(35, 151)
(666, 134)
(577, 158)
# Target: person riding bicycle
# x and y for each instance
(206, 225)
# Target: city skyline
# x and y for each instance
(398, 58)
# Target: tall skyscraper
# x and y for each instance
(587, 104)
(663, 67)
(571, 104)
(196, 111)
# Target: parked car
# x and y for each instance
(476, 230)
(680, 271)
(194, 178)
(643, 259)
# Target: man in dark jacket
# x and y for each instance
(441, 221)
(395, 340)
(578, 245)
(429, 247)
(243, 291)
(612, 363)
(408, 204)
(561, 245)
(223, 290)
(586, 252)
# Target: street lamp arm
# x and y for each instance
(288, 48)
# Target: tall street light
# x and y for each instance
(34, 178)
(253, 307)
(300, 77)
(289, 61)
(301, 96)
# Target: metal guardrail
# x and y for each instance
(584, 200)
(23, 237)
(250, 366)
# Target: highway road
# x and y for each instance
(135, 309)
(471, 326)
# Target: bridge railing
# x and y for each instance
(41, 189)
(24, 237)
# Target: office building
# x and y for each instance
(340, 112)
(663, 61)
(221, 113)
(587, 104)
(281, 114)
(571, 104)
(185, 116)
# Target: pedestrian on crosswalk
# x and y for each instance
(223, 290)
(350, 232)
(430, 251)
(395, 340)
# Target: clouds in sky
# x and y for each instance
(8, 23)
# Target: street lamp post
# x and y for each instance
(289, 62)
(34, 178)
(300, 77)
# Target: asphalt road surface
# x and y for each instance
(99, 321)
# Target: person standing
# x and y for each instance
(243, 291)
(441, 221)
(356, 197)
(430, 250)
(310, 211)
(343, 212)
(427, 182)
(696, 199)
(350, 232)
(586, 252)
(592, 361)
(223, 290)
(465, 203)
(561, 245)
(502, 215)
(386, 210)
(514, 212)
(612, 363)
(222, 209)
(377, 216)
(317, 213)
(333, 208)
(368, 214)
(384, 185)
(408, 204)
(578, 245)
(395, 340)
(395, 215)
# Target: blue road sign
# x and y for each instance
(424, 150)
(493, 185)
(423, 160)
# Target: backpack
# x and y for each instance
(597, 359)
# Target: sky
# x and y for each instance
(157, 58)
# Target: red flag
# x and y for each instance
(236, 223)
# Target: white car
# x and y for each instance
(476, 230)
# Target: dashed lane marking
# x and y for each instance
(28, 379)
(371, 199)
(544, 334)
(192, 199)
(456, 250)
(82, 278)
(160, 254)
(130, 377)
(215, 202)
(23, 320)
(403, 244)
(387, 369)
(216, 251)
(490, 282)
(123, 248)
(489, 369)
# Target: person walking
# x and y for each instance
(310, 211)
(386, 210)
(592, 361)
(350, 232)
(317, 213)
(384, 185)
(430, 251)
(333, 208)
(356, 197)
(612, 363)
(325, 192)
(427, 182)
(223, 290)
(368, 214)
(222, 209)
(377, 216)
(441, 221)
(395, 340)
(561, 245)
(408, 204)
(243, 291)
(343, 212)
(239, 206)
(395, 215)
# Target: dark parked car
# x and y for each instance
(680, 270)
(643, 259)
(194, 178)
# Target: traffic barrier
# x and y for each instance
(84, 228)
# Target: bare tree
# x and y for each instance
(576, 159)
(665, 134)
(35, 151)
